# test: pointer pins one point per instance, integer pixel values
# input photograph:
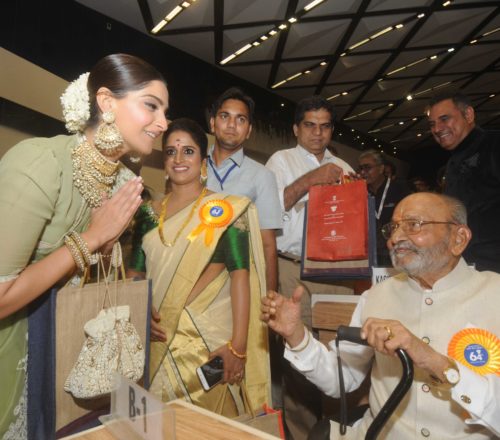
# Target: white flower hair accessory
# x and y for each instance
(76, 104)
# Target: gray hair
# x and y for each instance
(458, 212)
(376, 155)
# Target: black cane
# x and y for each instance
(353, 334)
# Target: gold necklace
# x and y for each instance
(93, 174)
(188, 218)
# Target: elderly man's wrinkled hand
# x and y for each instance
(283, 314)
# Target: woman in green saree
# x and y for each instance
(204, 255)
(55, 190)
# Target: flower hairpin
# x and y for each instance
(76, 104)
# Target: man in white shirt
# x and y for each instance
(441, 311)
(297, 169)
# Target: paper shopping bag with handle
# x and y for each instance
(337, 222)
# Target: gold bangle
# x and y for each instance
(82, 246)
(234, 352)
(75, 253)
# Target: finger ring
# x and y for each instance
(390, 335)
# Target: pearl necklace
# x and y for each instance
(188, 218)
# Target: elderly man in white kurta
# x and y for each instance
(441, 311)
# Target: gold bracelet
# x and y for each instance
(234, 352)
(75, 253)
(82, 247)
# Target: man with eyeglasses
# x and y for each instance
(441, 311)
(472, 173)
(297, 169)
(387, 192)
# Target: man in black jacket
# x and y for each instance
(472, 173)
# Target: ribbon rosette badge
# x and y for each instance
(213, 214)
(477, 349)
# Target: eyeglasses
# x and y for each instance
(366, 167)
(409, 227)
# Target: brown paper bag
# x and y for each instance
(74, 307)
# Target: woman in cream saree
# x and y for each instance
(207, 266)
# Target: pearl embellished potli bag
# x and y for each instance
(112, 346)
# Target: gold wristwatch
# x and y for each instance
(451, 375)
(451, 372)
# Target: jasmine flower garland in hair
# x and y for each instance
(76, 104)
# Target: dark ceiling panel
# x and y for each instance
(312, 55)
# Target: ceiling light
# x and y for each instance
(278, 84)
(416, 62)
(312, 4)
(333, 97)
(323, 63)
(451, 49)
(421, 15)
(343, 54)
(362, 143)
(292, 19)
(419, 134)
(491, 32)
(282, 104)
(272, 32)
(264, 37)
(399, 26)
(433, 57)
(243, 49)
(294, 76)
(345, 93)
(492, 95)
(352, 129)
(173, 13)
(382, 32)
(390, 104)
(447, 3)
(409, 97)
(229, 58)
(401, 123)
(354, 46)
(307, 72)
(256, 43)
(414, 119)
(158, 27)
(473, 42)
(282, 26)
(396, 70)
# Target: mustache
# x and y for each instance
(404, 245)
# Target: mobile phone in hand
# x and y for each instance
(211, 373)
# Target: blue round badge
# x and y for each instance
(476, 355)
(216, 211)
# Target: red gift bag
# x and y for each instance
(337, 222)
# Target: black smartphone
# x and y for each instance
(211, 373)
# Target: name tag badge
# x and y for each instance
(380, 274)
